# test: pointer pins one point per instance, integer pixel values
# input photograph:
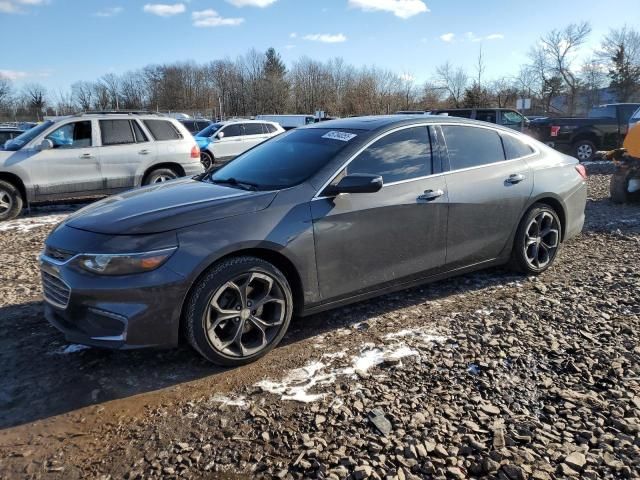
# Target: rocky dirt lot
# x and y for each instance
(486, 375)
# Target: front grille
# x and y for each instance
(55, 291)
(57, 253)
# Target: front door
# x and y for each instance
(487, 193)
(230, 145)
(72, 167)
(369, 240)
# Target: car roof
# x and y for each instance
(240, 120)
(382, 122)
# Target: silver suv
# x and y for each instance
(92, 155)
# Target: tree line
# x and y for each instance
(261, 83)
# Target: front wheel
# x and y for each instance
(206, 159)
(584, 150)
(239, 311)
(537, 240)
(159, 175)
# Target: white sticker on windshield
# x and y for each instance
(342, 136)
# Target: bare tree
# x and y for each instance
(593, 77)
(82, 93)
(454, 81)
(35, 98)
(557, 52)
(5, 90)
(112, 83)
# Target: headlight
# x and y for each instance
(124, 264)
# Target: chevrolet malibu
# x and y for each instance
(318, 217)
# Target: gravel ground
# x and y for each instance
(486, 375)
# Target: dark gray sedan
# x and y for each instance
(321, 216)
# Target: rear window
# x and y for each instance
(270, 128)
(288, 159)
(514, 148)
(140, 135)
(162, 130)
(116, 132)
(472, 146)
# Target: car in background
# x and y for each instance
(92, 155)
(223, 141)
(501, 116)
(195, 125)
(315, 218)
(8, 133)
(289, 122)
(604, 128)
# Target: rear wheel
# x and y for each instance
(206, 159)
(159, 175)
(537, 240)
(10, 201)
(239, 311)
(584, 150)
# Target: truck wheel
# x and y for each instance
(618, 187)
(584, 150)
(10, 201)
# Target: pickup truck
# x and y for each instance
(604, 128)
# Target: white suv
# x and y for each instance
(223, 141)
(92, 155)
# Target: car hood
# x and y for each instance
(169, 206)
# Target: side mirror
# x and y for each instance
(46, 144)
(220, 135)
(356, 183)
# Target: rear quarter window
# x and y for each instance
(162, 130)
(514, 148)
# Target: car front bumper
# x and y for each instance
(123, 312)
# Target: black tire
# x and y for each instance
(584, 150)
(618, 187)
(10, 201)
(159, 175)
(528, 256)
(212, 329)
(207, 160)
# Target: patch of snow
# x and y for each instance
(239, 401)
(27, 224)
(73, 348)
(484, 311)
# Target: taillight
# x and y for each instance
(195, 152)
(582, 171)
(555, 130)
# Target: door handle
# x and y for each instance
(430, 195)
(515, 178)
(144, 152)
(86, 155)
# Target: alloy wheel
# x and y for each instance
(162, 179)
(584, 152)
(542, 238)
(6, 202)
(245, 314)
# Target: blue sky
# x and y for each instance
(56, 42)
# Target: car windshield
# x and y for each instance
(21, 140)
(210, 131)
(285, 160)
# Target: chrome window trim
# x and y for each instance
(317, 196)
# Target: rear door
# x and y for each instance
(370, 240)
(125, 149)
(168, 142)
(72, 167)
(253, 134)
(487, 193)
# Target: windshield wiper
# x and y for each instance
(234, 182)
